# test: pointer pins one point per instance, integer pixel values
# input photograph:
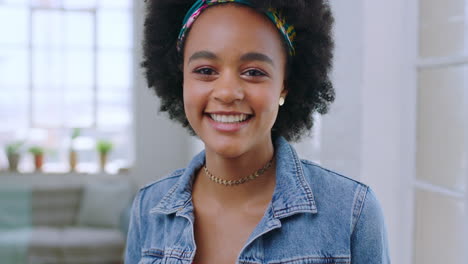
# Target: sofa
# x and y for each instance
(76, 222)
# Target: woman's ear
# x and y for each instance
(283, 94)
(285, 90)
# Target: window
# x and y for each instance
(67, 64)
(441, 197)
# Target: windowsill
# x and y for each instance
(7, 173)
(83, 168)
(47, 179)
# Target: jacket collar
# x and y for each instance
(292, 193)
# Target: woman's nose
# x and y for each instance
(228, 88)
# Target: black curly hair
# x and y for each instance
(308, 81)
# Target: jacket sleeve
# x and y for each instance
(369, 236)
(133, 245)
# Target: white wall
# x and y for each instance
(341, 127)
(369, 134)
(161, 145)
(388, 116)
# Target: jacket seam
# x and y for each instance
(164, 200)
(305, 185)
(308, 162)
(160, 253)
(139, 197)
(280, 213)
(170, 192)
(359, 200)
(340, 260)
(174, 174)
(154, 252)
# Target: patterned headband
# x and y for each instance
(287, 31)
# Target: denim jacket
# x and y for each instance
(315, 216)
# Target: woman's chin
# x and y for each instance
(227, 151)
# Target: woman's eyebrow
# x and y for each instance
(202, 55)
(255, 56)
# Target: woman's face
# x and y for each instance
(234, 70)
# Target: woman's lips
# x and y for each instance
(228, 126)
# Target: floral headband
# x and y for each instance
(287, 31)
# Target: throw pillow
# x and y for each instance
(103, 203)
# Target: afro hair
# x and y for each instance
(308, 71)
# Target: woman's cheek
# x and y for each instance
(267, 101)
(195, 98)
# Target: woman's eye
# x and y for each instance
(254, 73)
(205, 71)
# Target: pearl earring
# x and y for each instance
(281, 101)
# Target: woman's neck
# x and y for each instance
(260, 188)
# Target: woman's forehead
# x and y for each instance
(234, 29)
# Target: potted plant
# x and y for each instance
(103, 147)
(38, 153)
(13, 151)
(73, 156)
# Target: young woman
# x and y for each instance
(245, 76)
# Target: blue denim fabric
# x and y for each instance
(315, 216)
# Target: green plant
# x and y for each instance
(36, 150)
(76, 132)
(104, 146)
(14, 148)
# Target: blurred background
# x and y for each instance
(80, 131)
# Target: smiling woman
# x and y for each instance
(245, 77)
(229, 74)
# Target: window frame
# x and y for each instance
(419, 63)
(96, 130)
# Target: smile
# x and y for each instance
(229, 119)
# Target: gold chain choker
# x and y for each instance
(239, 181)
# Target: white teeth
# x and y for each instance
(229, 118)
